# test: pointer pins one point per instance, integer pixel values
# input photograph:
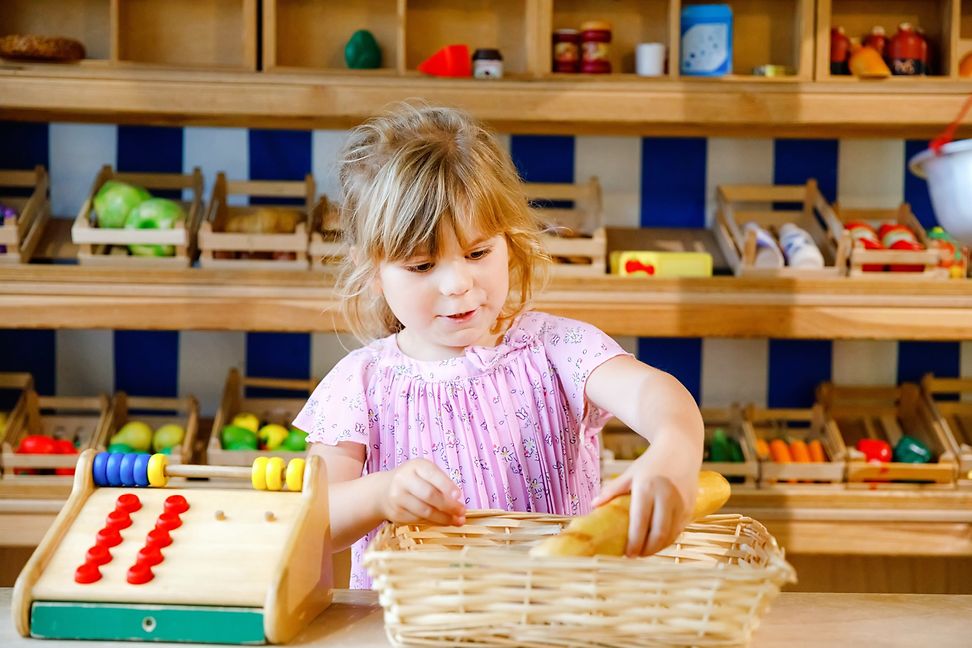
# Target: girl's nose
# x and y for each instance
(456, 279)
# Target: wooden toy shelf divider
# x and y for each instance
(574, 215)
(102, 246)
(887, 413)
(268, 409)
(80, 419)
(20, 235)
(950, 401)
(737, 205)
(326, 248)
(790, 424)
(156, 412)
(924, 261)
(266, 250)
(621, 446)
(19, 383)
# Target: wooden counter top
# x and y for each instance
(831, 620)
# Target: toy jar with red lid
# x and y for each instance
(907, 52)
(566, 50)
(595, 37)
(877, 40)
(840, 50)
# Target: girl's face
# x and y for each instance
(449, 301)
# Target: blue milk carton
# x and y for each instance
(706, 40)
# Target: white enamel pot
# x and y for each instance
(949, 178)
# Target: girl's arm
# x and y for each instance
(663, 482)
(416, 491)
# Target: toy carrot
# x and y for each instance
(762, 449)
(779, 451)
(816, 451)
(799, 451)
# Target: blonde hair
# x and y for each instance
(406, 174)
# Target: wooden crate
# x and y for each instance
(156, 412)
(19, 236)
(620, 446)
(326, 248)
(806, 424)
(267, 409)
(950, 401)
(938, 18)
(859, 257)
(267, 251)
(14, 386)
(82, 420)
(102, 246)
(887, 413)
(574, 217)
(738, 204)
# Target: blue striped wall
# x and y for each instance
(646, 181)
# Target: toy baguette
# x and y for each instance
(604, 531)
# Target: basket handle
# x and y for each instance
(948, 134)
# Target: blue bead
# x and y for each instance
(126, 469)
(98, 469)
(140, 471)
(113, 470)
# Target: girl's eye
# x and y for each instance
(419, 267)
(479, 254)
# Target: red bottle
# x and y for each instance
(907, 52)
(877, 40)
(840, 47)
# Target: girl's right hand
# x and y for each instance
(420, 491)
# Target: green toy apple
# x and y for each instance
(296, 441)
(115, 201)
(154, 213)
(235, 437)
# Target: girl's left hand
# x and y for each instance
(661, 498)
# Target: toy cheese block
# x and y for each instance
(129, 559)
(661, 264)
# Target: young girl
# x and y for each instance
(464, 397)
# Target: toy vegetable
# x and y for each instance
(912, 450)
(875, 450)
(604, 531)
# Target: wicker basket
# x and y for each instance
(477, 585)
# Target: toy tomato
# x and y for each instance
(36, 444)
(875, 450)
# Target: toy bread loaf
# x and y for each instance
(604, 531)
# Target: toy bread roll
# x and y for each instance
(604, 531)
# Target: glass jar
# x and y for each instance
(595, 36)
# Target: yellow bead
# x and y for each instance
(258, 475)
(295, 475)
(156, 470)
(275, 473)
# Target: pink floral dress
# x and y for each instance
(509, 424)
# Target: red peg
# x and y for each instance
(149, 556)
(139, 574)
(87, 573)
(128, 502)
(168, 521)
(98, 555)
(158, 538)
(109, 537)
(634, 265)
(118, 519)
(176, 504)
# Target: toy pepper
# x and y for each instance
(875, 450)
(362, 51)
(912, 450)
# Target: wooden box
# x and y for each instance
(299, 35)
(770, 206)
(278, 410)
(888, 413)
(950, 401)
(13, 392)
(102, 246)
(87, 21)
(938, 18)
(214, 34)
(19, 235)
(219, 247)
(620, 446)
(574, 220)
(156, 412)
(81, 420)
(326, 247)
(926, 261)
(763, 425)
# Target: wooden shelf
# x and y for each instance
(58, 296)
(631, 105)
